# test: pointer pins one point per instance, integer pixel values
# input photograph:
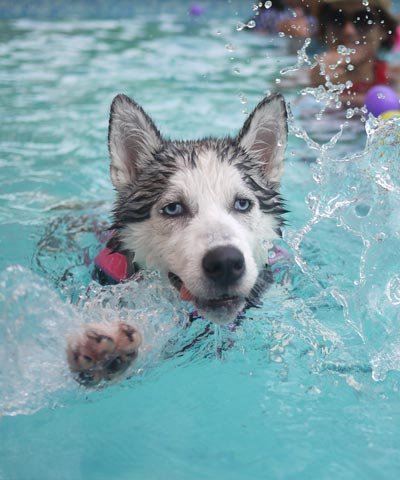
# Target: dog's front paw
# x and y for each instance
(103, 352)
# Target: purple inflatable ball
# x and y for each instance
(380, 99)
(196, 10)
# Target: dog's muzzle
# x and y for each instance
(223, 267)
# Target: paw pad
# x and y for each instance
(102, 353)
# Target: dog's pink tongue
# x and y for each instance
(186, 296)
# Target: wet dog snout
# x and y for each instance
(224, 265)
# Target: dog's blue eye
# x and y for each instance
(173, 209)
(242, 205)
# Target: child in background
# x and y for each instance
(364, 31)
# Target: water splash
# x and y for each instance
(360, 212)
(241, 26)
(36, 324)
(303, 59)
(31, 352)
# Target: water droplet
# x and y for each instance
(378, 376)
(352, 382)
(365, 3)
(251, 24)
(393, 290)
(281, 34)
(362, 210)
(350, 67)
(236, 70)
(276, 358)
(278, 80)
(314, 390)
(230, 47)
(380, 237)
(268, 4)
(242, 98)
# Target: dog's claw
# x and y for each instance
(103, 352)
(128, 330)
(97, 337)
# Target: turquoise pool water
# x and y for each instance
(308, 386)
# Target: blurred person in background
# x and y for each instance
(355, 34)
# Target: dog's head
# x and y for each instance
(203, 212)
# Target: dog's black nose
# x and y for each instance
(224, 265)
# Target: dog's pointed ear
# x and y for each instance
(132, 140)
(264, 137)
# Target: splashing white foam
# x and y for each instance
(36, 323)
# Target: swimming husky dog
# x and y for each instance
(204, 213)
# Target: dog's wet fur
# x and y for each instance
(204, 213)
